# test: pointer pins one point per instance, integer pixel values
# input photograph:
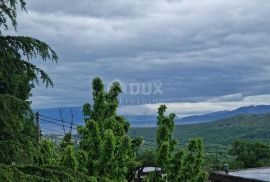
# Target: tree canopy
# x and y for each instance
(186, 164)
(17, 78)
(8, 12)
(111, 152)
(250, 154)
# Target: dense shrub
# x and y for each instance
(250, 154)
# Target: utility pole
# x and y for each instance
(38, 126)
(71, 124)
(60, 113)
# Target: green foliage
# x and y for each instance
(176, 165)
(16, 131)
(13, 109)
(82, 158)
(15, 79)
(48, 154)
(154, 177)
(30, 47)
(91, 144)
(18, 143)
(147, 157)
(250, 154)
(218, 136)
(107, 154)
(8, 10)
(19, 151)
(11, 59)
(42, 174)
(184, 165)
(14, 47)
(111, 153)
(66, 141)
(193, 164)
(69, 158)
(223, 132)
(164, 138)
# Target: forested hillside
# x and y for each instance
(219, 133)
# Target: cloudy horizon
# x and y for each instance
(208, 55)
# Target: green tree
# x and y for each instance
(48, 156)
(107, 157)
(91, 144)
(176, 166)
(17, 78)
(165, 142)
(147, 157)
(193, 164)
(250, 154)
(164, 138)
(185, 165)
(66, 140)
(69, 159)
(82, 158)
(111, 152)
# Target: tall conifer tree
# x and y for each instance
(17, 77)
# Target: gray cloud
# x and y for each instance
(197, 49)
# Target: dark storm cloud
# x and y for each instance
(101, 8)
(199, 50)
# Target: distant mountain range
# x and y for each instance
(150, 120)
(260, 109)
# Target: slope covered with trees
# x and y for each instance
(218, 133)
(219, 137)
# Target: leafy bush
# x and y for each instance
(250, 154)
(147, 157)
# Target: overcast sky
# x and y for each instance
(199, 55)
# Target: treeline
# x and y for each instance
(249, 154)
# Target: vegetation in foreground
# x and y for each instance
(106, 152)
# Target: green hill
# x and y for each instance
(217, 134)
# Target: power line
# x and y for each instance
(57, 120)
(49, 129)
(55, 123)
(53, 131)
